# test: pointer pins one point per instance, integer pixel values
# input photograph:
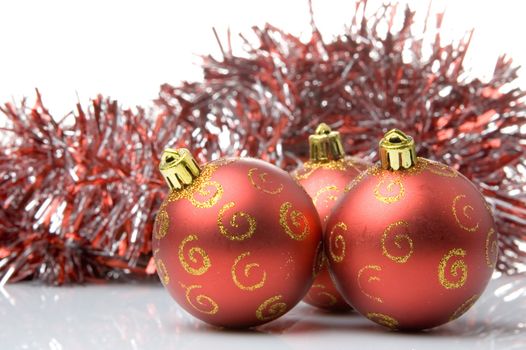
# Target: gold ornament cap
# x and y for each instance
(397, 150)
(178, 168)
(325, 144)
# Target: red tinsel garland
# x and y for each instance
(78, 198)
(61, 227)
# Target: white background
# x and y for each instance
(72, 50)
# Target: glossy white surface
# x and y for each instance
(142, 316)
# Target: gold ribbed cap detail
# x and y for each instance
(325, 144)
(178, 167)
(397, 150)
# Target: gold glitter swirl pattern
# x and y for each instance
(271, 308)
(212, 191)
(200, 302)
(247, 271)
(458, 269)
(337, 242)
(369, 280)
(261, 182)
(162, 221)
(398, 239)
(204, 258)
(466, 209)
(440, 169)
(303, 174)
(464, 307)
(382, 319)
(162, 271)
(389, 192)
(492, 248)
(320, 291)
(326, 190)
(251, 221)
(419, 167)
(376, 170)
(338, 165)
(298, 219)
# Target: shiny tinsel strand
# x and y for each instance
(77, 195)
(364, 82)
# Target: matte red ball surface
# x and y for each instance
(237, 248)
(325, 183)
(411, 249)
(324, 295)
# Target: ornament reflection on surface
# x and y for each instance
(142, 316)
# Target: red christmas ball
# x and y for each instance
(236, 245)
(411, 248)
(324, 177)
(323, 293)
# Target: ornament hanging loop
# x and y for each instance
(325, 145)
(178, 168)
(397, 150)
